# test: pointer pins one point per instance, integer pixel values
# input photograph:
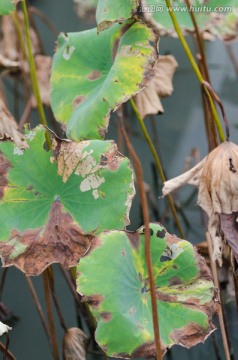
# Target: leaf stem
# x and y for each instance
(146, 217)
(6, 352)
(50, 315)
(38, 307)
(195, 69)
(33, 74)
(158, 165)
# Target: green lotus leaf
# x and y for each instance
(114, 281)
(52, 203)
(7, 6)
(215, 17)
(93, 74)
(107, 15)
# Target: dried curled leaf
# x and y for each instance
(75, 345)
(51, 203)
(86, 9)
(217, 179)
(148, 100)
(9, 128)
(120, 297)
(10, 44)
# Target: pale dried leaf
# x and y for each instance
(43, 69)
(10, 42)
(86, 9)
(9, 128)
(191, 177)
(148, 100)
(75, 345)
(229, 226)
(4, 328)
(6, 63)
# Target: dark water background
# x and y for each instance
(179, 130)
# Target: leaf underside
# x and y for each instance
(117, 290)
(94, 74)
(51, 203)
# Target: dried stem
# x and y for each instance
(220, 311)
(195, 68)
(7, 353)
(44, 19)
(158, 165)
(3, 279)
(33, 74)
(146, 217)
(50, 315)
(38, 308)
(52, 288)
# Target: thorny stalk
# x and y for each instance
(50, 315)
(195, 69)
(158, 165)
(146, 217)
(33, 73)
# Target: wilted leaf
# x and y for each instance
(43, 69)
(10, 45)
(52, 202)
(148, 100)
(7, 6)
(217, 179)
(122, 10)
(75, 345)
(86, 9)
(215, 18)
(9, 128)
(6, 64)
(114, 281)
(4, 328)
(98, 84)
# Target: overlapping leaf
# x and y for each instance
(7, 6)
(52, 202)
(117, 290)
(216, 18)
(108, 15)
(93, 74)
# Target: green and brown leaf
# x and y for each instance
(94, 74)
(117, 290)
(52, 203)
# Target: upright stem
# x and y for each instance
(146, 217)
(195, 69)
(220, 311)
(38, 307)
(50, 315)
(158, 165)
(33, 73)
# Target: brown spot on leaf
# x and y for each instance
(78, 100)
(60, 241)
(94, 300)
(94, 75)
(161, 233)
(190, 335)
(175, 280)
(123, 253)
(165, 297)
(4, 166)
(134, 238)
(106, 316)
(147, 350)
